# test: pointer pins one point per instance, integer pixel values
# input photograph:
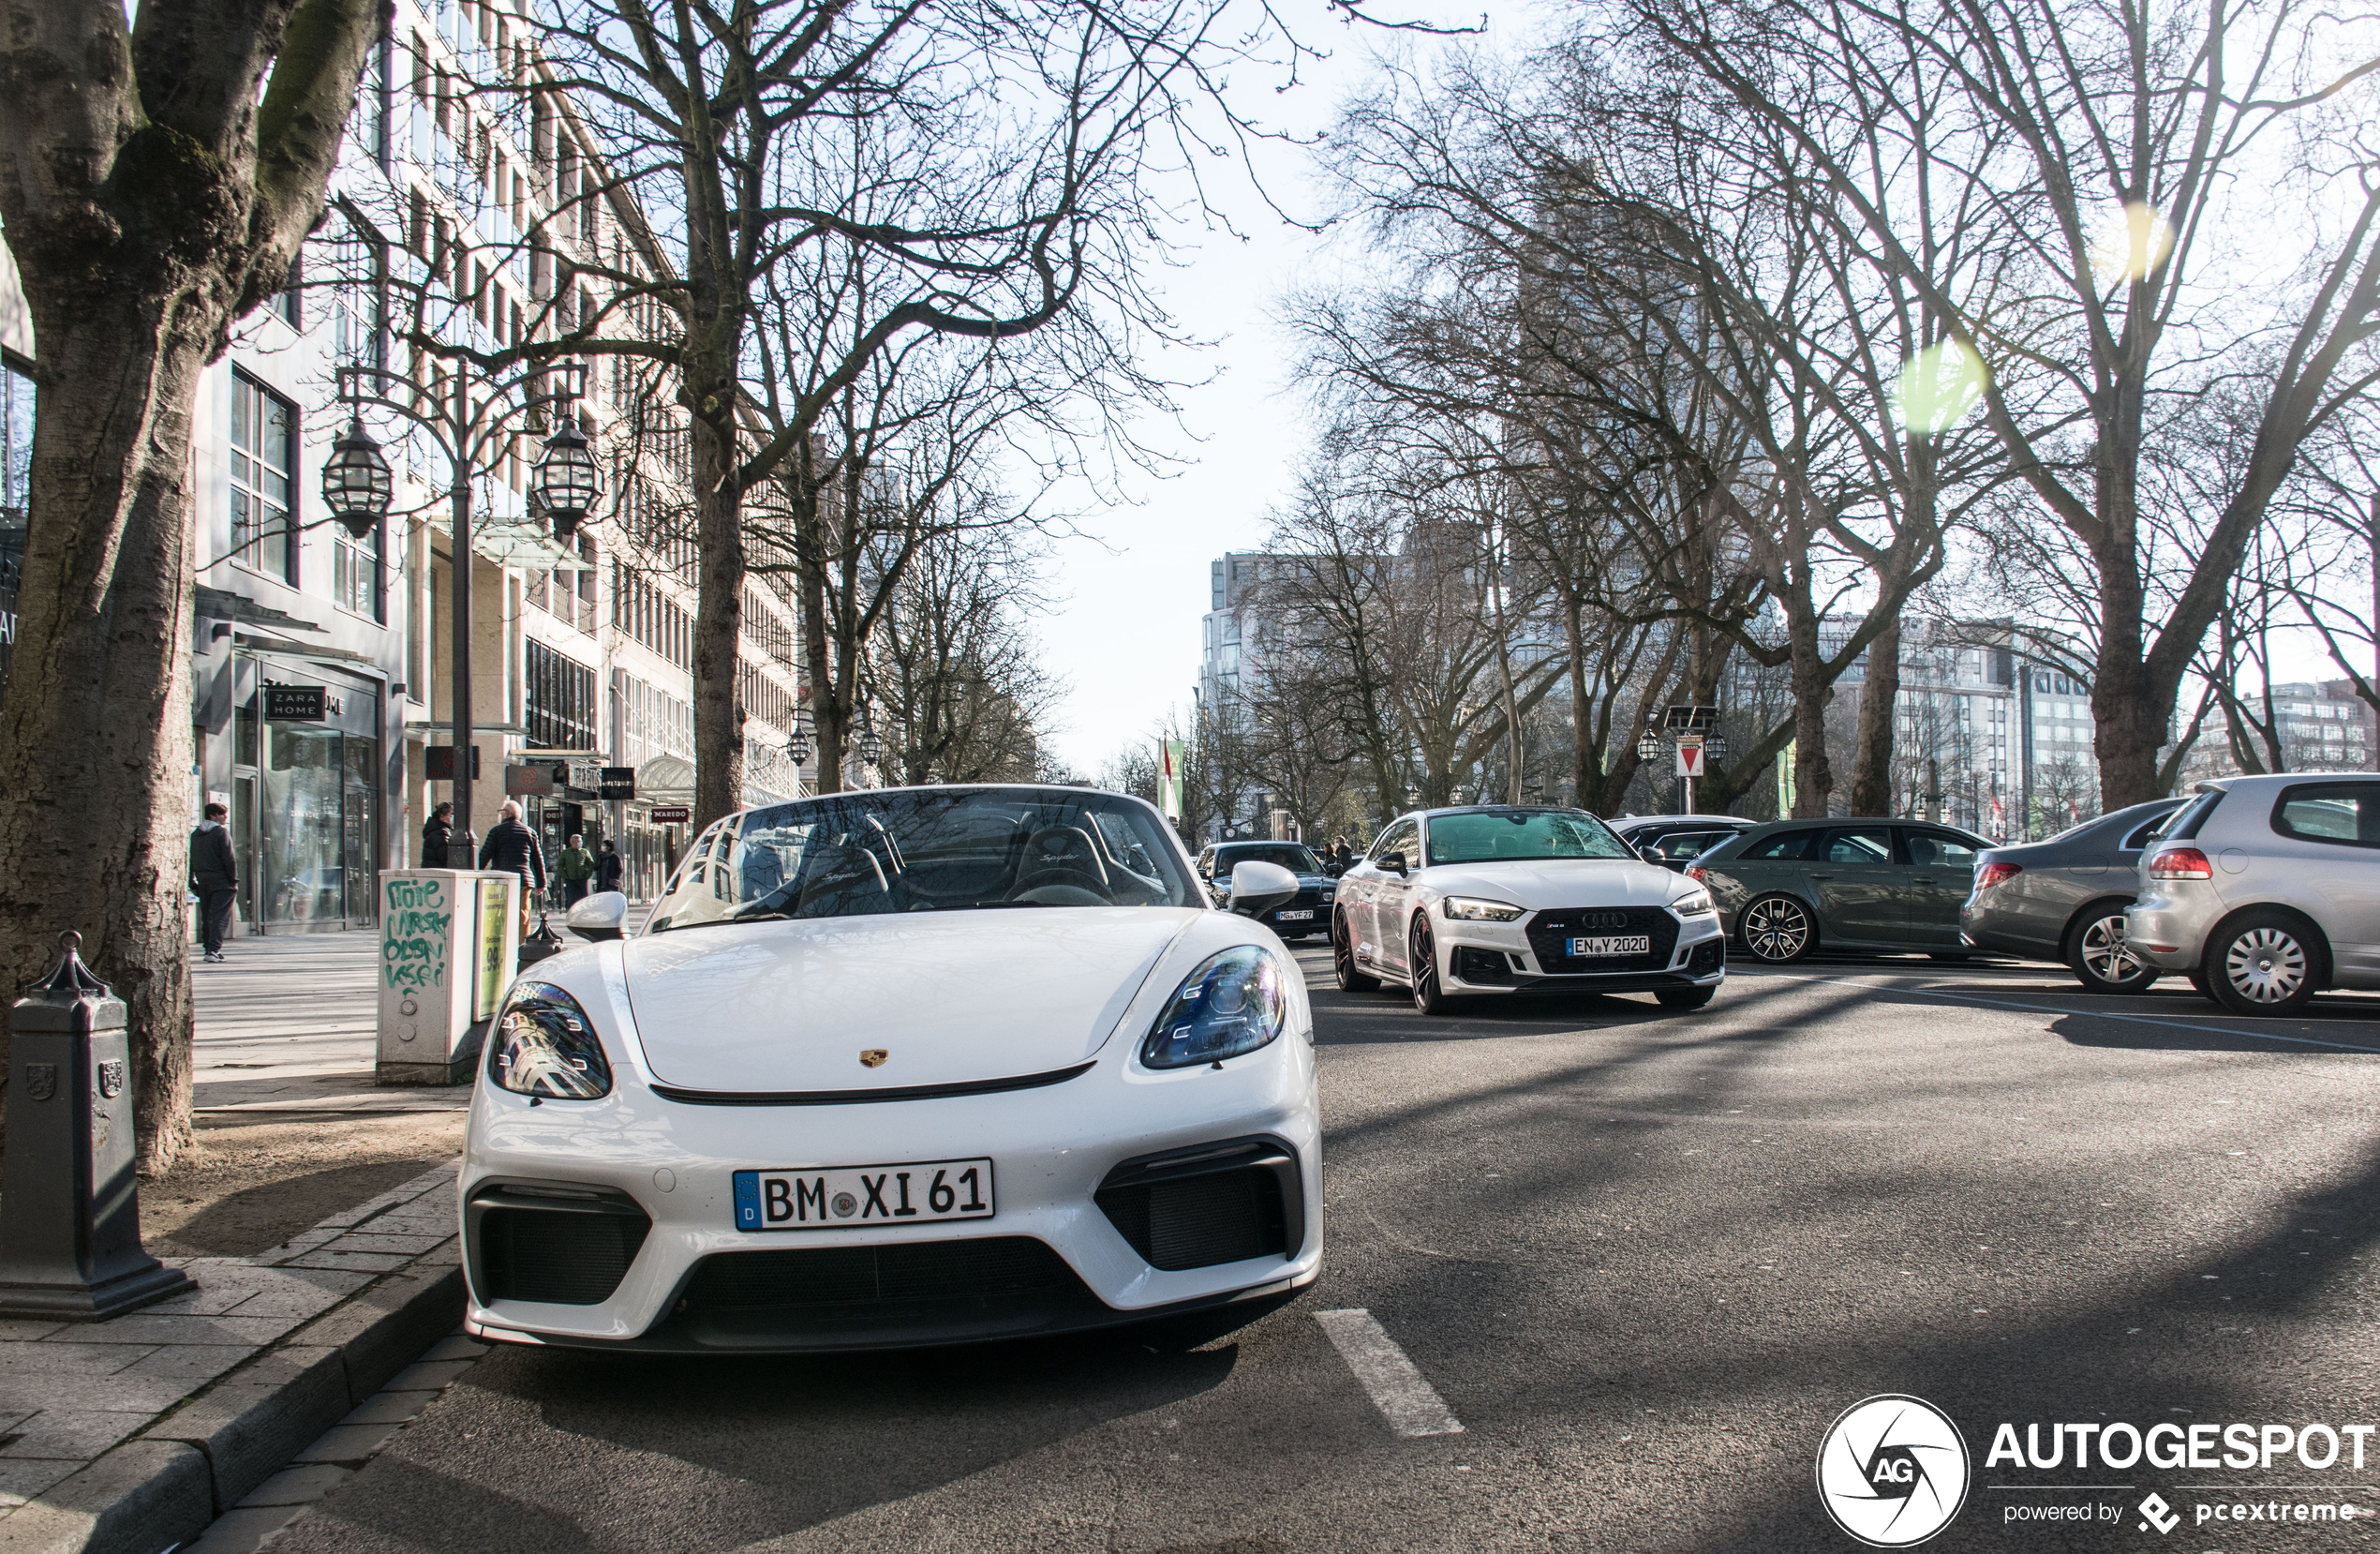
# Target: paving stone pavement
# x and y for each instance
(70, 1393)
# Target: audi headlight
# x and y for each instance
(544, 1045)
(1230, 1003)
(1694, 904)
(1472, 909)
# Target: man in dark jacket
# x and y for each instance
(607, 866)
(512, 847)
(215, 874)
(437, 836)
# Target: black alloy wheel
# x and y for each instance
(1777, 928)
(1422, 968)
(1343, 959)
(2095, 953)
(2262, 963)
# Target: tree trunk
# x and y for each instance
(95, 736)
(1813, 773)
(1873, 767)
(718, 624)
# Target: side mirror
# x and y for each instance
(1651, 853)
(1393, 862)
(1258, 887)
(598, 917)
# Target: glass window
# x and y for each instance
(1939, 850)
(2194, 814)
(355, 570)
(1867, 844)
(950, 850)
(1404, 837)
(264, 445)
(1685, 844)
(2347, 814)
(1782, 847)
(1295, 856)
(1483, 836)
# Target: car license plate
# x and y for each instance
(1625, 944)
(846, 1197)
(1303, 914)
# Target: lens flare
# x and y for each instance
(1937, 388)
(2132, 242)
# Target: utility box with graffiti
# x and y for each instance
(449, 941)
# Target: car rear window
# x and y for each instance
(2346, 814)
(1939, 850)
(1788, 845)
(2194, 815)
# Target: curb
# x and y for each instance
(213, 1448)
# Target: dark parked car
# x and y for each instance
(1786, 888)
(2064, 899)
(1673, 841)
(1307, 912)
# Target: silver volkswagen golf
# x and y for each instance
(2266, 889)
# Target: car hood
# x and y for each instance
(951, 996)
(1561, 882)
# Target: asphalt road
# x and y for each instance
(1646, 1259)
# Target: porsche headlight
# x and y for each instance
(1230, 1003)
(544, 1045)
(1694, 904)
(1472, 909)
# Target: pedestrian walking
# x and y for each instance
(1342, 856)
(215, 874)
(576, 866)
(608, 867)
(438, 834)
(513, 849)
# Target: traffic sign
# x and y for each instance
(1690, 756)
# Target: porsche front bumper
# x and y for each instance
(618, 1214)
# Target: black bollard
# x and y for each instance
(69, 1207)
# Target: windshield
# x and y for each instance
(1294, 856)
(928, 850)
(1493, 835)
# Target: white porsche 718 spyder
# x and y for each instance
(1497, 899)
(896, 1067)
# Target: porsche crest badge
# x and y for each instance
(874, 1057)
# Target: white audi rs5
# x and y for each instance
(895, 1068)
(1493, 900)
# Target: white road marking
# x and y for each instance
(2082, 1014)
(1399, 1390)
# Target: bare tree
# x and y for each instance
(161, 173)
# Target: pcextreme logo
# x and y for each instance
(1892, 1471)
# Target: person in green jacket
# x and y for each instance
(576, 866)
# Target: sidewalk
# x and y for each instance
(288, 1025)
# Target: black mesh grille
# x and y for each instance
(1484, 966)
(920, 1292)
(565, 1259)
(1551, 931)
(1199, 1221)
(1707, 957)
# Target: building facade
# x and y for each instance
(581, 653)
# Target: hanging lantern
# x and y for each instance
(797, 746)
(568, 482)
(869, 744)
(1714, 747)
(356, 484)
(1649, 747)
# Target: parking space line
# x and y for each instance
(1399, 1390)
(2083, 1014)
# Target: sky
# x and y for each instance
(1126, 594)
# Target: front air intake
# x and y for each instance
(563, 1247)
(1209, 1204)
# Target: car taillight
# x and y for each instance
(2180, 863)
(1993, 874)
(1694, 873)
